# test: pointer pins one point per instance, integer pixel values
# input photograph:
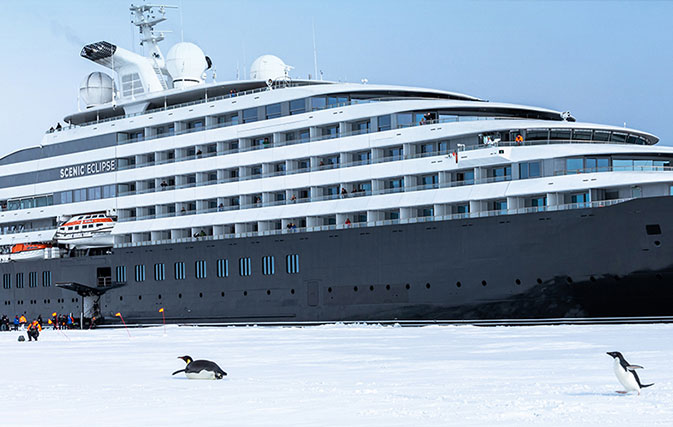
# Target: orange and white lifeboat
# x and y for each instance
(92, 230)
(27, 251)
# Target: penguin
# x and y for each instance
(201, 369)
(626, 373)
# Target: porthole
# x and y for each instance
(427, 286)
(408, 286)
(569, 279)
(539, 281)
(517, 281)
(268, 292)
(355, 288)
(292, 291)
(371, 288)
(387, 287)
(159, 296)
(140, 297)
(245, 293)
(222, 294)
(458, 284)
(483, 283)
(657, 243)
(179, 295)
(329, 289)
(120, 299)
(200, 294)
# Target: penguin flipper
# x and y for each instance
(634, 367)
(177, 372)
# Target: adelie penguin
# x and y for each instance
(201, 369)
(626, 373)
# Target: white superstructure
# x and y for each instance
(176, 157)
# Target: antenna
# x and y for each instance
(315, 52)
(182, 27)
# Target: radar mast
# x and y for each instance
(145, 17)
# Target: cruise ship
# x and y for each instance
(280, 199)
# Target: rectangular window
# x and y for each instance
(140, 273)
(46, 279)
(268, 267)
(250, 115)
(292, 264)
(272, 111)
(574, 166)
(297, 106)
(179, 270)
(384, 123)
(32, 279)
(19, 280)
(120, 274)
(529, 170)
(159, 272)
(244, 267)
(200, 269)
(6, 281)
(222, 268)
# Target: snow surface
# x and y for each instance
(338, 375)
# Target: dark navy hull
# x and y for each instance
(598, 262)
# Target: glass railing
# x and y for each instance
(571, 206)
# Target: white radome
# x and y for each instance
(186, 62)
(268, 67)
(96, 89)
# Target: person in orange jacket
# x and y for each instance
(22, 320)
(34, 329)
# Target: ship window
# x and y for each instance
(32, 279)
(574, 166)
(529, 170)
(462, 209)
(140, 273)
(250, 115)
(318, 103)
(159, 272)
(19, 280)
(120, 274)
(601, 135)
(394, 153)
(268, 267)
(560, 134)
(582, 134)
(179, 270)
(499, 206)
(76, 227)
(384, 123)
(330, 131)
(618, 137)
(360, 127)
(579, 198)
(297, 106)
(195, 124)
(200, 267)
(46, 279)
(6, 281)
(538, 202)
(272, 111)
(292, 264)
(70, 228)
(222, 268)
(244, 267)
(537, 134)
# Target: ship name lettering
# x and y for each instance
(88, 169)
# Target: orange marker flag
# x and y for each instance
(125, 327)
(163, 316)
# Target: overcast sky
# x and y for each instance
(605, 62)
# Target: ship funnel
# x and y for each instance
(137, 74)
(185, 63)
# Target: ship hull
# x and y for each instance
(593, 262)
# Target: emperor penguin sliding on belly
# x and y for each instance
(201, 369)
(626, 373)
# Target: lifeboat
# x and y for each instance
(92, 230)
(28, 251)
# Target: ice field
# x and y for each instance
(338, 375)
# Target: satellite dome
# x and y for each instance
(186, 62)
(268, 67)
(96, 89)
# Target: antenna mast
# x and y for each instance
(145, 17)
(315, 52)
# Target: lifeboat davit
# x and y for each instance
(27, 251)
(92, 230)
